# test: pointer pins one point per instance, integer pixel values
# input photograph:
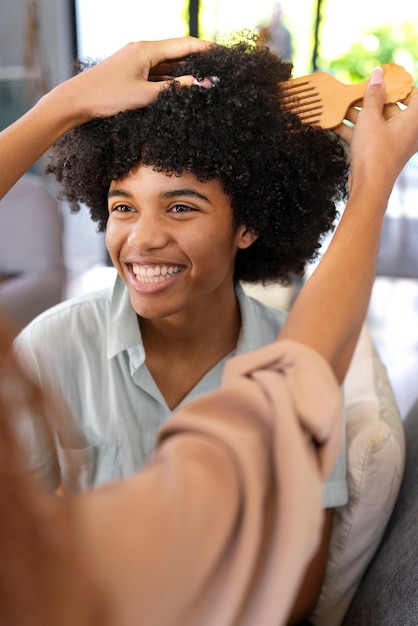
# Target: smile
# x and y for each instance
(155, 273)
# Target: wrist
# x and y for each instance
(371, 187)
(63, 109)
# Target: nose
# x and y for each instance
(148, 232)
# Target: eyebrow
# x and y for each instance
(118, 192)
(185, 192)
(173, 193)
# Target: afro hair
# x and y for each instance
(284, 178)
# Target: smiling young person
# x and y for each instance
(209, 184)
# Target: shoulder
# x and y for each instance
(266, 313)
(261, 322)
(69, 320)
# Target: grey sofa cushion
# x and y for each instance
(388, 593)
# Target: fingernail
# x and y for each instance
(377, 76)
(207, 83)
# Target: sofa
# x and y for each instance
(388, 593)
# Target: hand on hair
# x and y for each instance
(131, 77)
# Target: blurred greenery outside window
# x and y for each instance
(384, 44)
(353, 39)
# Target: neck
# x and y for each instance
(182, 349)
(203, 328)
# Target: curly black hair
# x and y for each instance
(285, 179)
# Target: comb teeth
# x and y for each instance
(298, 86)
(310, 116)
(304, 100)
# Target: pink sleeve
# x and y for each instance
(220, 525)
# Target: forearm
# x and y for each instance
(25, 141)
(330, 310)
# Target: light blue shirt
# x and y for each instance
(90, 350)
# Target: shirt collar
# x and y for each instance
(123, 331)
(250, 337)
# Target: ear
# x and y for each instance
(246, 237)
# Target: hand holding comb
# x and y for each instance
(322, 100)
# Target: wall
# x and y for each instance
(56, 35)
(56, 49)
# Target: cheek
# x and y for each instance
(217, 248)
(113, 238)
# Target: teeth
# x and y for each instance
(154, 273)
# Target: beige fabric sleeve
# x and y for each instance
(220, 525)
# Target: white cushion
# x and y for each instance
(375, 464)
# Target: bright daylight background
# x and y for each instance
(106, 25)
